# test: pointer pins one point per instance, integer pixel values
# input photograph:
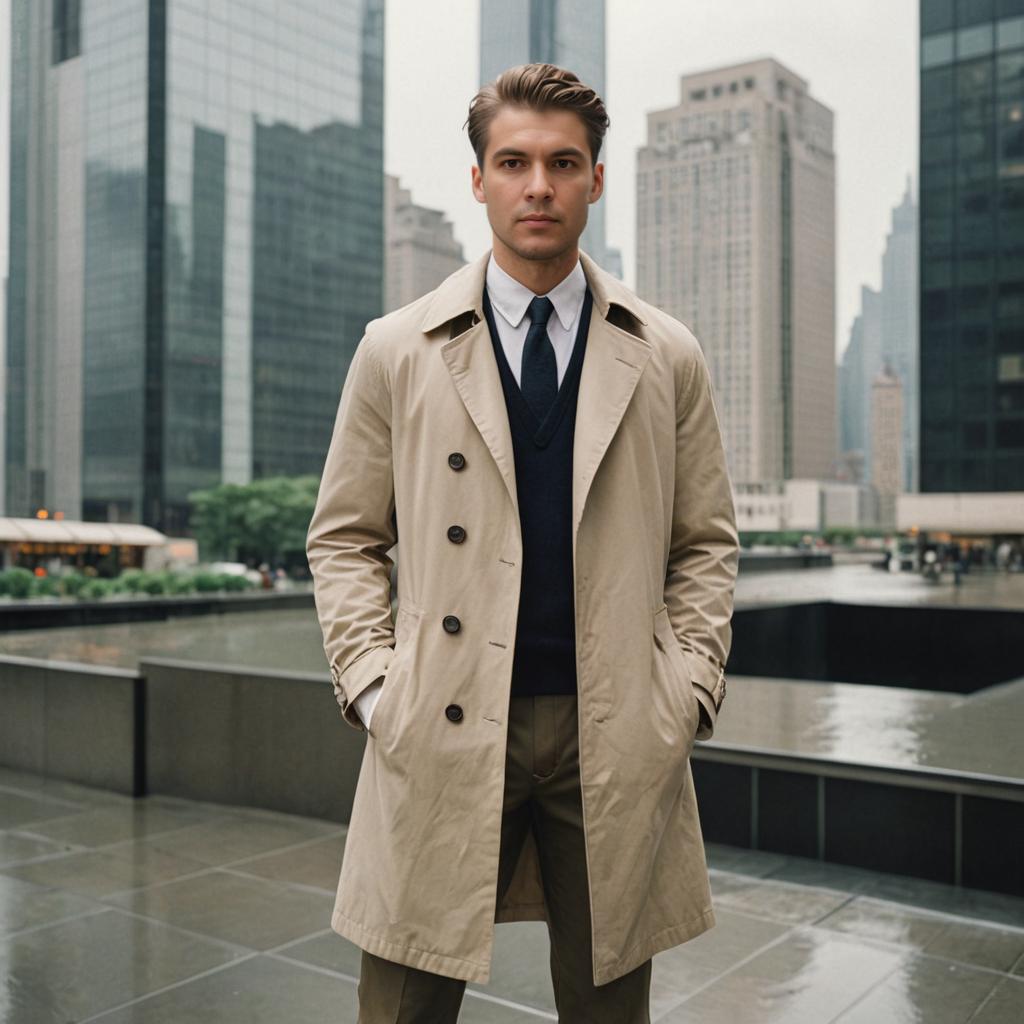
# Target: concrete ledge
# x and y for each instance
(249, 737)
(259, 738)
(960, 828)
(73, 721)
(52, 614)
(775, 561)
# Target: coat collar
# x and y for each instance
(464, 290)
(612, 365)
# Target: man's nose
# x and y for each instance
(539, 183)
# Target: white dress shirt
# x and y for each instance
(510, 301)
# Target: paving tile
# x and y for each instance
(105, 825)
(809, 977)
(746, 862)
(328, 950)
(980, 945)
(77, 968)
(677, 973)
(253, 912)
(258, 990)
(997, 908)
(1005, 1005)
(924, 990)
(824, 875)
(20, 809)
(316, 863)
(24, 905)
(59, 789)
(229, 839)
(888, 922)
(18, 846)
(781, 901)
(102, 872)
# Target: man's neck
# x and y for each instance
(540, 276)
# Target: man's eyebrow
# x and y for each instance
(506, 151)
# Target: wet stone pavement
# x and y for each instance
(160, 910)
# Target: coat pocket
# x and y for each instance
(681, 678)
(406, 621)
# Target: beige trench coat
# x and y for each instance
(655, 553)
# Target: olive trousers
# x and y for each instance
(542, 792)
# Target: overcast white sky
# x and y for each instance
(859, 58)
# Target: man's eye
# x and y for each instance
(565, 161)
(510, 160)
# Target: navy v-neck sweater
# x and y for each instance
(544, 661)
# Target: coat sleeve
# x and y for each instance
(351, 531)
(704, 550)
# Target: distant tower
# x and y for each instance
(420, 245)
(736, 238)
(569, 33)
(899, 325)
(887, 443)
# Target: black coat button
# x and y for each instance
(457, 460)
(451, 624)
(453, 712)
(456, 534)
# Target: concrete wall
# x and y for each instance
(73, 722)
(248, 737)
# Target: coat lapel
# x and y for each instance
(612, 365)
(470, 361)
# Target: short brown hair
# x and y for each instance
(536, 87)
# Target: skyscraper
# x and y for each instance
(972, 246)
(884, 334)
(569, 33)
(196, 244)
(887, 442)
(736, 238)
(420, 245)
(899, 327)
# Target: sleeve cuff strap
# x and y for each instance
(348, 685)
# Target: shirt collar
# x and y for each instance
(511, 299)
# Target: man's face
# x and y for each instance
(537, 181)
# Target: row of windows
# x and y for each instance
(696, 95)
(939, 15)
(965, 43)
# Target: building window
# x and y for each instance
(67, 31)
(974, 42)
(937, 50)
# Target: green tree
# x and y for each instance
(262, 521)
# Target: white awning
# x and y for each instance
(72, 531)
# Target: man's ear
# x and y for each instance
(477, 181)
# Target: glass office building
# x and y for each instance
(972, 246)
(569, 33)
(196, 244)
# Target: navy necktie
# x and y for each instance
(538, 379)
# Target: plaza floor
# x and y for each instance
(159, 910)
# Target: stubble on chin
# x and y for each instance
(537, 251)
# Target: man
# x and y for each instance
(544, 447)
